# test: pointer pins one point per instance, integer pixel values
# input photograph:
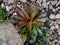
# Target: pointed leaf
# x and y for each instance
(19, 11)
(35, 12)
(29, 25)
(39, 31)
(22, 24)
(25, 14)
(24, 37)
(22, 30)
(38, 23)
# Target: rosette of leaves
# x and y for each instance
(29, 23)
(3, 14)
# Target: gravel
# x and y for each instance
(51, 10)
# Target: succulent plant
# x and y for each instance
(29, 22)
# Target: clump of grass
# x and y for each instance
(3, 14)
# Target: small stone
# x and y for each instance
(44, 0)
(8, 8)
(43, 15)
(8, 1)
(48, 2)
(56, 26)
(45, 5)
(58, 16)
(55, 41)
(15, 13)
(50, 32)
(50, 6)
(52, 27)
(38, 2)
(23, 0)
(53, 9)
(52, 16)
(55, 36)
(58, 30)
(44, 19)
(54, 2)
(50, 42)
(33, 0)
(58, 3)
(58, 33)
(2, 5)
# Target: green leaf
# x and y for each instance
(3, 14)
(24, 37)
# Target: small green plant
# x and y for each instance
(30, 25)
(3, 14)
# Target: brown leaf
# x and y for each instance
(29, 25)
(38, 23)
(35, 12)
(26, 14)
(22, 24)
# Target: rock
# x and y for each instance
(58, 33)
(39, 0)
(58, 16)
(48, 2)
(9, 35)
(52, 27)
(56, 26)
(50, 6)
(44, 19)
(8, 8)
(33, 0)
(2, 5)
(45, 5)
(8, 1)
(23, 0)
(53, 9)
(52, 16)
(58, 3)
(54, 2)
(58, 30)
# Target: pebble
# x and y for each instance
(52, 27)
(52, 16)
(32, 0)
(23, 0)
(53, 9)
(48, 2)
(8, 8)
(43, 15)
(55, 41)
(44, 19)
(2, 5)
(58, 3)
(54, 2)
(58, 16)
(15, 13)
(45, 5)
(57, 26)
(58, 30)
(50, 6)
(40, 0)
(58, 33)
